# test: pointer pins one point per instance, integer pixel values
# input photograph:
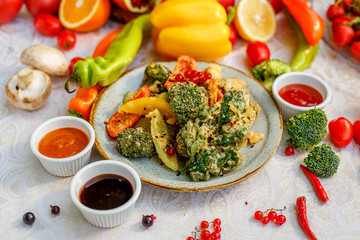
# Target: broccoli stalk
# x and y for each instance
(267, 71)
(322, 161)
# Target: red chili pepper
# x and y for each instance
(319, 189)
(310, 21)
(302, 218)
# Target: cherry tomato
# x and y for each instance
(9, 9)
(47, 24)
(334, 11)
(42, 6)
(66, 39)
(72, 63)
(341, 131)
(277, 5)
(257, 52)
(233, 34)
(343, 35)
(356, 128)
(355, 49)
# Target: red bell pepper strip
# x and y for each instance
(311, 23)
(319, 189)
(121, 120)
(302, 217)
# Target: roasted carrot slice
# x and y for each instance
(184, 63)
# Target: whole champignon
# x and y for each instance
(45, 58)
(29, 89)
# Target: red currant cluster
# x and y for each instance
(270, 215)
(205, 233)
(192, 76)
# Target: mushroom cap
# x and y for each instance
(45, 58)
(29, 89)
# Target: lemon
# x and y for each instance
(255, 20)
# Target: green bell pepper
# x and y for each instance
(122, 51)
(305, 53)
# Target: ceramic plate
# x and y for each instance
(321, 6)
(151, 171)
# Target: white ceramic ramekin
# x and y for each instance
(287, 109)
(111, 217)
(63, 167)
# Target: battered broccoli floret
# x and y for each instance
(267, 71)
(135, 142)
(322, 161)
(307, 130)
(232, 100)
(213, 161)
(185, 100)
(155, 76)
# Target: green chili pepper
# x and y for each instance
(305, 53)
(122, 51)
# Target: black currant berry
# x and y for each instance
(29, 218)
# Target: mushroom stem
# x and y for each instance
(25, 78)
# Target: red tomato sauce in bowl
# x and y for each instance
(301, 95)
(63, 142)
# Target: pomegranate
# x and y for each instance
(133, 6)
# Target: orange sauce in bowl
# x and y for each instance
(63, 142)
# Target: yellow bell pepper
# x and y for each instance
(196, 28)
(145, 105)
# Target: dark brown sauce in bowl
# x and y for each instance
(106, 191)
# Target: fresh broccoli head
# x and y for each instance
(156, 72)
(307, 130)
(135, 142)
(186, 99)
(322, 161)
(267, 71)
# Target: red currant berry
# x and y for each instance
(215, 235)
(55, 209)
(265, 220)
(272, 215)
(170, 151)
(190, 238)
(289, 150)
(179, 78)
(205, 234)
(199, 74)
(202, 80)
(217, 229)
(204, 224)
(187, 74)
(193, 73)
(281, 219)
(29, 218)
(193, 79)
(217, 222)
(207, 75)
(258, 215)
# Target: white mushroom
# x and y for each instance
(29, 89)
(45, 58)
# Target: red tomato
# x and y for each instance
(42, 6)
(341, 131)
(233, 34)
(9, 9)
(47, 24)
(277, 5)
(72, 63)
(356, 128)
(257, 52)
(66, 39)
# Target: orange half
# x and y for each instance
(84, 15)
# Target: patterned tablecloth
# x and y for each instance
(26, 186)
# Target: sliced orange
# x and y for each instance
(84, 15)
(255, 20)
